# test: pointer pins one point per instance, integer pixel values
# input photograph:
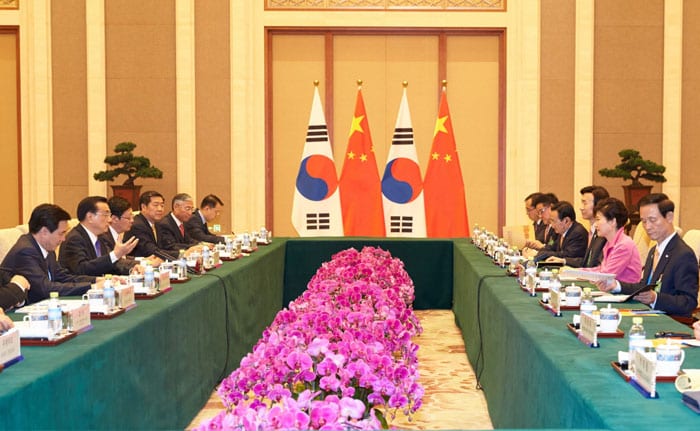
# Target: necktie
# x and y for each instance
(182, 230)
(98, 248)
(654, 262)
(155, 236)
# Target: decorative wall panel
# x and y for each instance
(478, 5)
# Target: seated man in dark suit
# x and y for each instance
(543, 205)
(34, 256)
(537, 224)
(145, 227)
(196, 226)
(173, 235)
(13, 290)
(590, 196)
(671, 265)
(84, 252)
(120, 222)
(572, 237)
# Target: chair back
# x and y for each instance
(692, 238)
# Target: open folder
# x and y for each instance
(620, 297)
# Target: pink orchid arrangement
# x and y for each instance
(340, 357)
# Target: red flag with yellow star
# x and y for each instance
(443, 187)
(360, 188)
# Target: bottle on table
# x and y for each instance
(108, 292)
(637, 340)
(587, 302)
(148, 277)
(55, 314)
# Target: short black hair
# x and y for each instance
(546, 199)
(146, 197)
(665, 204)
(533, 196)
(613, 208)
(564, 209)
(89, 205)
(211, 201)
(48, 216)
(599, 193)
(118, 205)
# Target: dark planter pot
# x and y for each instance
(130, 193)
(633, 193)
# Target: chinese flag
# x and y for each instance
(360, 188)
(443, 187)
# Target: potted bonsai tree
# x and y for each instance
(124, 162)
(633, 167)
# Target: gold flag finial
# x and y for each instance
(359, 82)
(316, 82)
(444, 83)
(405, 84)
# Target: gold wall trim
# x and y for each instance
(475, 5)
(9, 4)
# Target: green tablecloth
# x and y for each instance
(154, 366)
(536, 374)
(427, 261)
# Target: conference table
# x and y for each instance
(154, 367)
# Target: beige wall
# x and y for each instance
(236, 134)
(9, 126)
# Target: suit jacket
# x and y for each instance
(677, 272)
(573, 245)
(539, 227)
(44, 275)
(593, 256)
(147, 245)
(198, 230)
(170, 238)
(11, 295)
(78, 255)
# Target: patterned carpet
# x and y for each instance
(451, 400)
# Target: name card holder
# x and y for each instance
(644, 376)
(589, 331)
(164, 281)
(125, 297)
(9, 348)
(79, 317)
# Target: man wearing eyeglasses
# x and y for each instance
(534, 216)
(572, 237)
(120, 223)
(173, 235)
(85, 253)
(543, 204)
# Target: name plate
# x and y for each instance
(164, 280)
(216, 257)
(589, 330)
(78, 317)
(125, 296)
(9, 346)
(645, 372)
(555, 301)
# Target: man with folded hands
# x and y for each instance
(572, 237)
(671, 265)
(196, 226)
(173, 235)
(13, 290)
(34, 256)
(84, 252)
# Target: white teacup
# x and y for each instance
(609, 319)
(95, 299)
(573, 295)
(136, 280)
(669, 358)
(37, 319)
